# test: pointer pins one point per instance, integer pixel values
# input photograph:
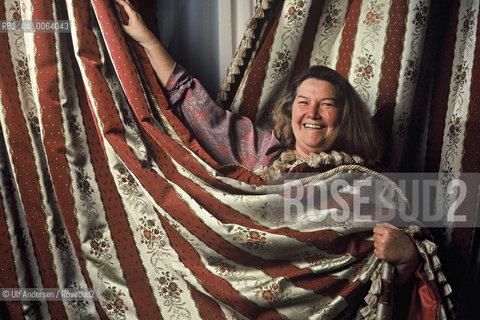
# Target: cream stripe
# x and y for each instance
(368, 53)
(329, 33)
(458, 102)
(284, 50)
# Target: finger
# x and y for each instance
(377, 238)
(122, 2)
(127, 6)
(386, 225)
(379, 254)
(379, 246)
(379, 230)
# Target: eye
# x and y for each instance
(328, 104)
(301, 102)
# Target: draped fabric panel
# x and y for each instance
(102, 187)
(415, 65)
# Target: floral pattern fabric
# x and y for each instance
(103, 188)
(413, 62)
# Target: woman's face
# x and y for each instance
(314, 115)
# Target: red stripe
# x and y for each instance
(207, 307)
(305, 48)
(392, 53)
(332, 286)
(128, 255)
(387, 293)
(324, 285)
(54, 139)
(441, 91)
(351, 292)
(10, 103)
(257, 74)
(270, 315)
(348, 38)
(217, 287)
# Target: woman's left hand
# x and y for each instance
(135, 26)
(393, 245)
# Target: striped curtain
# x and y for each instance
(415, 63)
(101, 187)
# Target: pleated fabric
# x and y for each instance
(103, 188)
(415, 65)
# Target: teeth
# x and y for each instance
(313, 126)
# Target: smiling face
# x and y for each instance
(314, 115)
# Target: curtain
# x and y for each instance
(103, 188)
(413, 62)
(232, 17)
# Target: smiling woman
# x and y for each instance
(314, 117)
(322, 96)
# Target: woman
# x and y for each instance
(321, 112)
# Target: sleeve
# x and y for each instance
(228, 137)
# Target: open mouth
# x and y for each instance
(314, 126)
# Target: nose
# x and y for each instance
(315, 111)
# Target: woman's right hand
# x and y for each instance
(136, 27)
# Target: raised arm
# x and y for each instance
(136, 28)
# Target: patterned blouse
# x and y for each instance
(228, 137)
